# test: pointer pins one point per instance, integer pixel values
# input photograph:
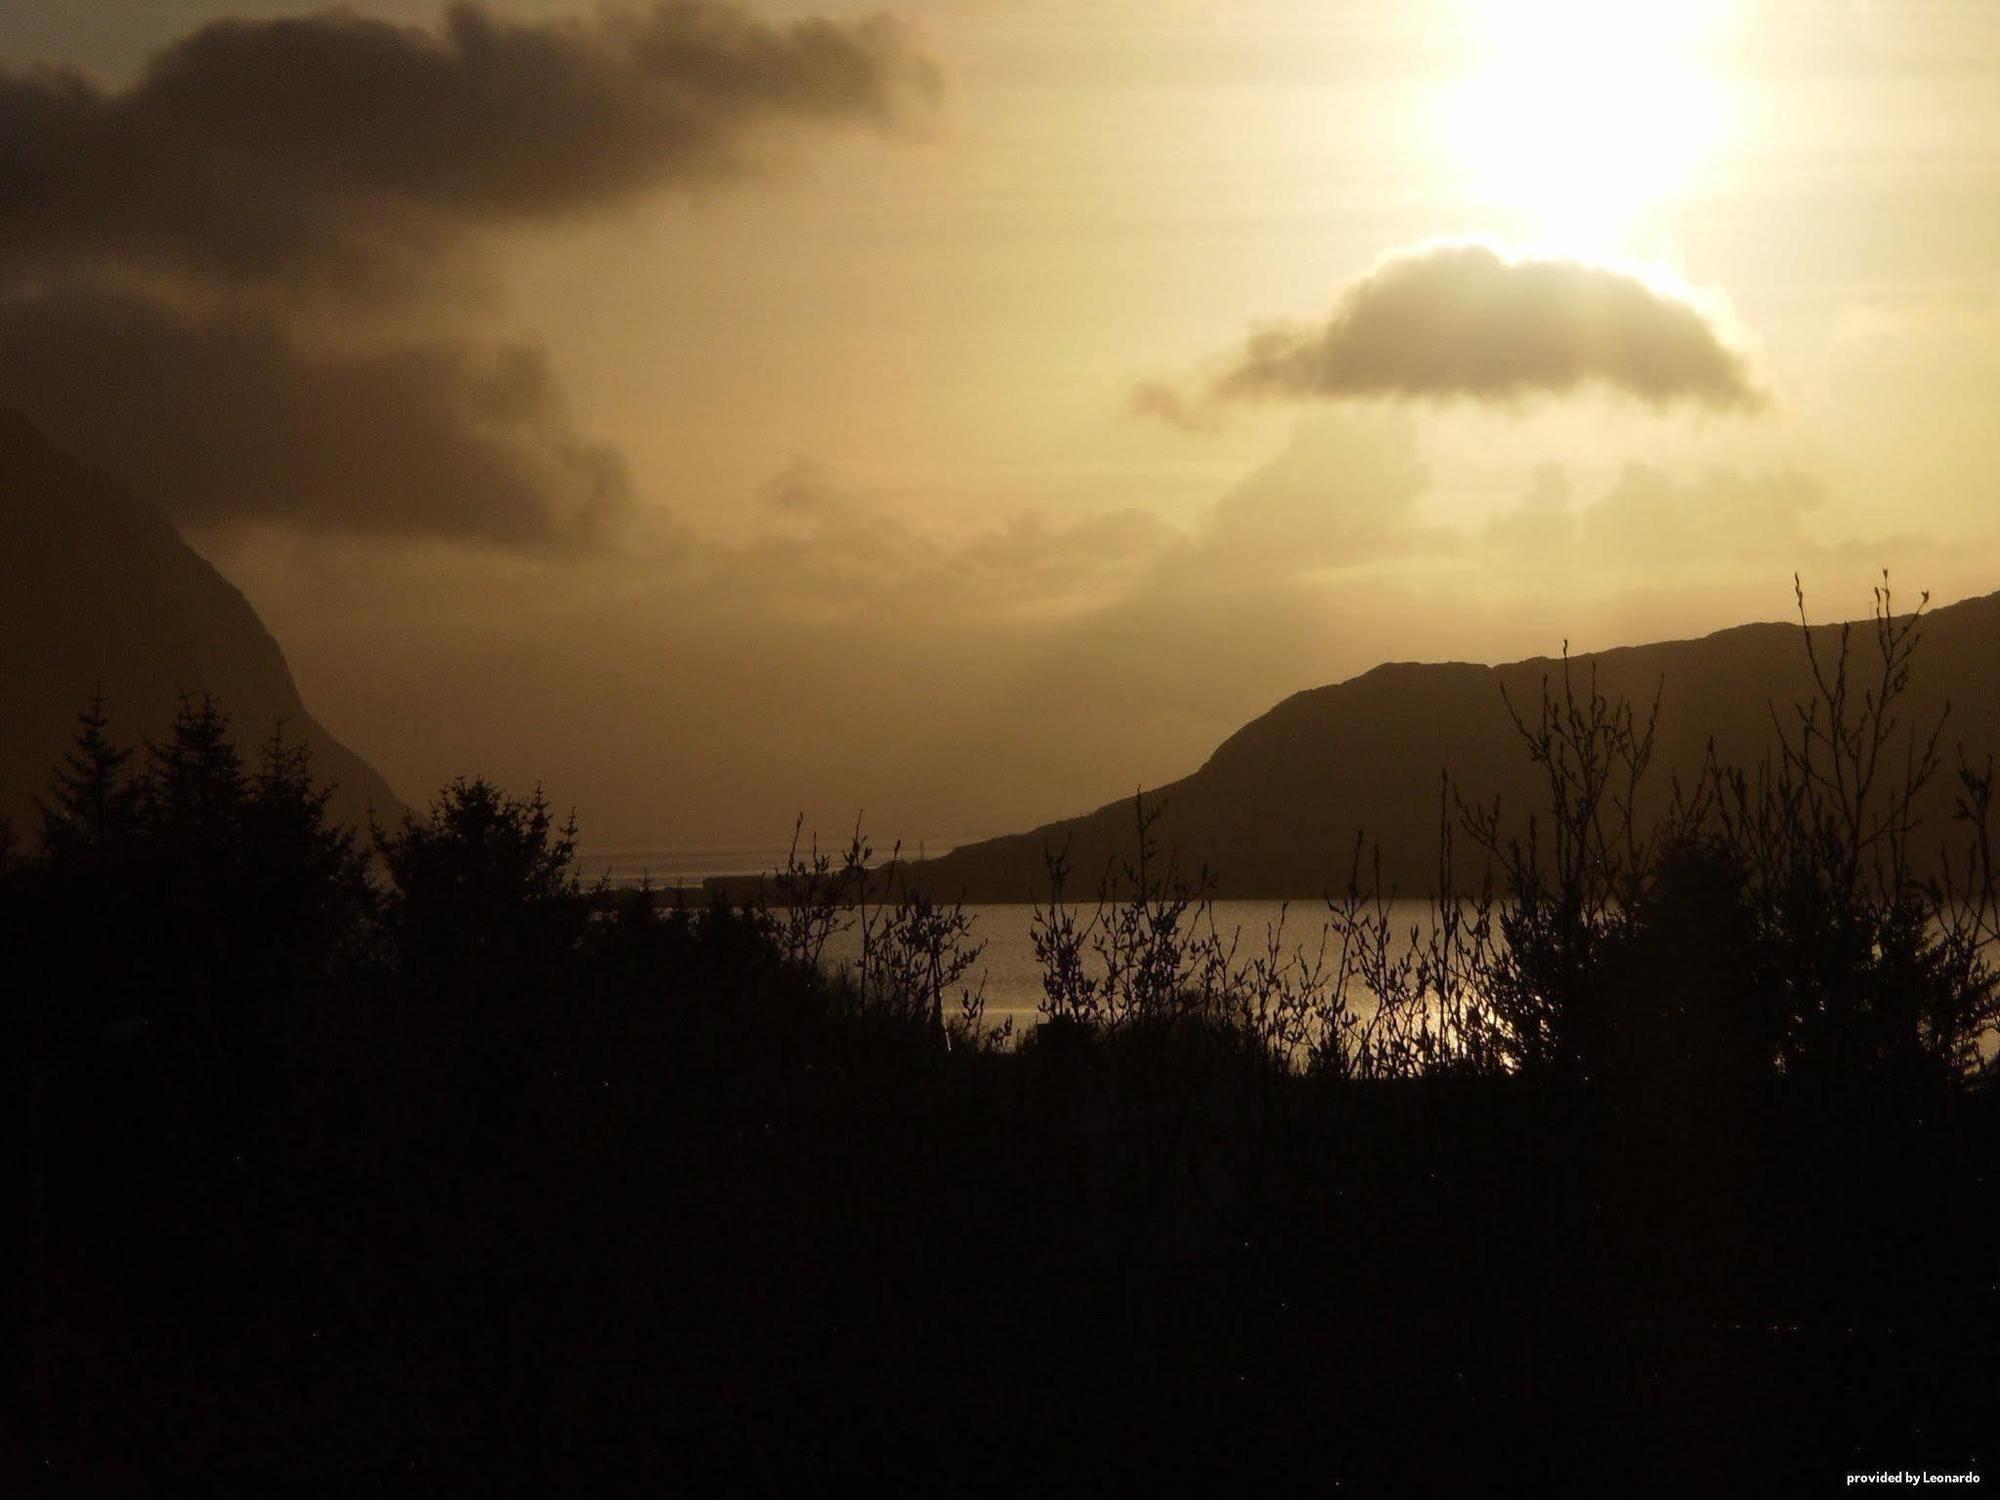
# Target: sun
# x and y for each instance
(1577, 116)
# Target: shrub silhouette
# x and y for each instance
(1770, 920)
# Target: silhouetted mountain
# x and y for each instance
(98, 593)
(1276, 809)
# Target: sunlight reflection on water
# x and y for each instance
(1013, 977)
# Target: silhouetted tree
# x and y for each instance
(195, 788)
(485, 920)
(92, 810)
(305, 876)
(485, 889)
(176, 940)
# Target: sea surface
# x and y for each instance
(667, 868)
(1006, 967)
(1013, 978)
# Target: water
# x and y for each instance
(1007, 967)
(668, 868)
(1013, 977)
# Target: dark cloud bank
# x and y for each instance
(224, 416)
(1468, 320)
(338, 148)
(215, 234)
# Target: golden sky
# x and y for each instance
(968, 419)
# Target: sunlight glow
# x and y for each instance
(1579, 115)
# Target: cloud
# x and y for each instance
(1343, 493)
(1648, 526)
(1543, 525)
(1034, 565)
(207, 278)
(1649, 520)
(342, 150)
(227, 416)
(823, 550)
(805, 488)
(1172, 405)
(1467, 319)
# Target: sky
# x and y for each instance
(960, 416)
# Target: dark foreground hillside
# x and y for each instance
(472, 1181)
(699, 1231)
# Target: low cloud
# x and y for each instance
(806, 489)
(851, 651)
(1174, 406)
(824, 550)
(1344, 492)
(1649, 520)
(1469, 320)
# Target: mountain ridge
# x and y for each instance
(1278, 809)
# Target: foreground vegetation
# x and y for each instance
(1666, 1151)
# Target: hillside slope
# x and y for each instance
(98, 592)
(1276, 810)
